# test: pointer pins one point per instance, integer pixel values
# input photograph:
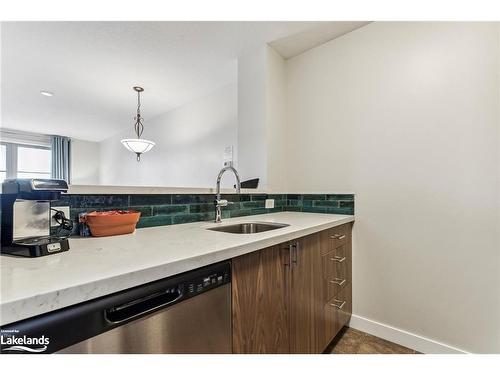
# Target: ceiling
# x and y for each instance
(295, 44)
(91, 68)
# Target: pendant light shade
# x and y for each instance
(138, 145)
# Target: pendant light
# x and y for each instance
(138, 145)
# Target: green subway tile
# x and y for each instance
(150, 199)
(166, 209)
(236, 197)
(308, 203)
(326, 204)
(232, 206)
(314, 197)
(340, 210)
(256, 204)
(340, 197)
(275, 209)
(100, 200)
(259, 211)
(276, 196)
(280, 202)
(154, 221)
(144, 210)
(258, 197)
(204, 207)
(192, 198)
(170, 209)
(346, 204)
(292, 208)
(321, 210)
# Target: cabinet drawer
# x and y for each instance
(337, 313)
(335, 286)
(336, 271)
(335, 263)
(335, 237)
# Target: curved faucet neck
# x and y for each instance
(219, 177)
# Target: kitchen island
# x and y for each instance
(96, 267)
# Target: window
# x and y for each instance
(3, 162)
(24, 161)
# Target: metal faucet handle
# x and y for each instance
(221, 202)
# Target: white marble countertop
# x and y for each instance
(95, 267)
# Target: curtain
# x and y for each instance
(61, 148)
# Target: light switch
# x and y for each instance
(228, 156)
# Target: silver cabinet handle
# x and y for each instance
(294, 248)
(338, 304)
(338, 259)
(338, 236)
(339, 282)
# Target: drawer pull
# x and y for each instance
(338, 259)
(337, 281)
(338, 304)
(338, 237)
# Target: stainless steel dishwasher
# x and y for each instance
(187, 313)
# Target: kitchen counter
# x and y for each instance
(95, 267)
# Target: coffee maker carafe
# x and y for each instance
(26, 216)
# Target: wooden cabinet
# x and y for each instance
(293, 297)
(303, 296)
(260, 300)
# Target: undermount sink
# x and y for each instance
(248, 228)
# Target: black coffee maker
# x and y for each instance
(26, 215)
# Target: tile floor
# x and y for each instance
(352, 341)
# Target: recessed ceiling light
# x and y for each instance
(46, 93)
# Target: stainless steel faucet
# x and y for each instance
(223, 202)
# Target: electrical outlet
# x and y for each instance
(64, 209)
(269, 203)
(228, 156)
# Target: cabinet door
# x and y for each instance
(304, 294)
(260, 291)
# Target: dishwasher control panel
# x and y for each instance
(208, 280)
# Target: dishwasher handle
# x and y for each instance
(141, 306)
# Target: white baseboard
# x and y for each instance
(401, 337)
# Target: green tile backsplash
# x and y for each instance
(168, 209)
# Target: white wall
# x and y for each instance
(190, 142)
(261, 118)
(85, 160)
(252, 144)
(276, 121)
(406, 115)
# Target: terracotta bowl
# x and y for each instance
(111, 223)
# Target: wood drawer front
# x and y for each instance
(334, 237)
(336, 271)
(334, 287)
(335, 262)
(337, 313)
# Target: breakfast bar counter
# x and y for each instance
(98, 266)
